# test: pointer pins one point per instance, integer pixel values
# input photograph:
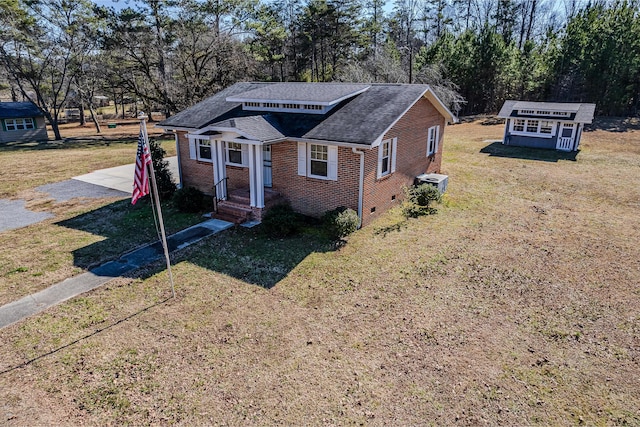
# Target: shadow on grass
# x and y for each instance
(497, 149)
(122, 227)
(74, 143)
(250, 255)
(245, 254)
(83, 338)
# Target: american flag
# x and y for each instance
(141, 176)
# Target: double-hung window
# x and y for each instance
(204, 149)
(19, 124)
(234, 153)
(432, 140)
(318, 161)
(387, 157)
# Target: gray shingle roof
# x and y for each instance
(254, 126)
(209, 110)
(15, 110)
(318, 93)
(580, 112)
(359, 119)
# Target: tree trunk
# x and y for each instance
(94, 118)
(83, 120)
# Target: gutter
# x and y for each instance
(360, 184)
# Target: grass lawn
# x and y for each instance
(517, 304)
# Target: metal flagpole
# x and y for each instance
(143, 126)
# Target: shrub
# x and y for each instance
(340, 222)
(281, 221)
(166, 186)
(191, 200)
(419, 200)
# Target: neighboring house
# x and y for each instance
(551, 125)
(317, 145)
(22, 121)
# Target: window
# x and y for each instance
(313, 107)
(251, 104)
(432, 140)
(204, 149)
(543, 113)
(532, 126)
(234, 153)
(19, 124)
(270, 105)
(518, 125)
(561, 113)
(387, 157)
(318, 160)
(526, 111)
(291, 106)
(546, 127)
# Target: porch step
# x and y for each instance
(232, 212)
(242, 196)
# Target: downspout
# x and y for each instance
(175, 133)
(360, 184)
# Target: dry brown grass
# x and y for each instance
(517, 304)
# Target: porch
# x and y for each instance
(236, 208)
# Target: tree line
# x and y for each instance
(169, 54)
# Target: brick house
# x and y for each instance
(316, 145)
(22, 121)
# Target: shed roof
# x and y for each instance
(15, 110)
(581, 112)
(361, 117)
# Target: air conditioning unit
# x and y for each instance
(435, 179)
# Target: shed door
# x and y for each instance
(566, 136)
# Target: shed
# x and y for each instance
(551, 125)
(22, 121)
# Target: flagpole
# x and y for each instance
(154, 185)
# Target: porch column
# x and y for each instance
(259, 176)
(252, 175)
(219, 165)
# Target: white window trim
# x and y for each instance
(304, 161)
(244, 155)
(211, 147)
(433, 135)
(27, 123)
(393, 146)
(537, 134)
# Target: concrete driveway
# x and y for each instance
(111, 182)
(121, 177)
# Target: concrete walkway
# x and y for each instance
(69, 288)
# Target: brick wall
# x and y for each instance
(312, 196)
(411, 159)
(194, 173)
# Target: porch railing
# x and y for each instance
(219, 192)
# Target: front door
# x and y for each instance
(566, 136)
(266, 165)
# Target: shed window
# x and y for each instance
(532, 126)
(518, 125)
(19, 124)
(546, 126)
